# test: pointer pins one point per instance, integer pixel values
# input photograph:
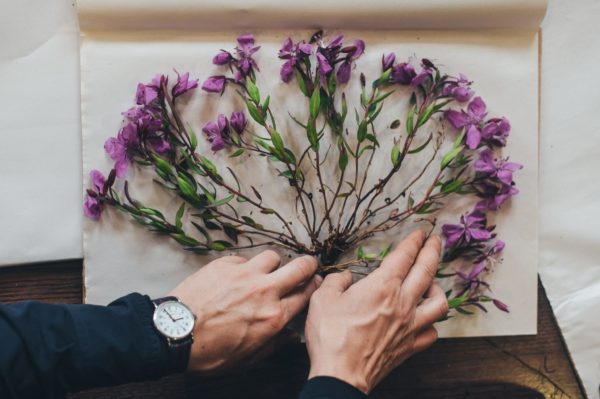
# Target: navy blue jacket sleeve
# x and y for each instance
(49, 350)
(330, 388)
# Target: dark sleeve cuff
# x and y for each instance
(118, 343)
(330, 388)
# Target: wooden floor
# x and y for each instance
(508, 367)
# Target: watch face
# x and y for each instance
(173, 320)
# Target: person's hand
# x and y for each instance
(242, 304)
(359, 333)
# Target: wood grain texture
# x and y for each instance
(505, 367)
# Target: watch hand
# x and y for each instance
(169, 314)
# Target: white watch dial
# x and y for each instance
(174, 320)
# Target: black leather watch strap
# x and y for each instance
(179, 350)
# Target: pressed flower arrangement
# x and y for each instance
(337, 209)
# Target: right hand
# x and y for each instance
(359, 333)
(242, 305)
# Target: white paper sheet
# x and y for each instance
(121, 257)
(570, 210)
(40, 150)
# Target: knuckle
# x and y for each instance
(443, 306)
(270, 254)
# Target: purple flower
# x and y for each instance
(92, 207)
(500, 305)
(474, 273)
(245, 50)
(292, 53)
(214, 84)
(387, 61)
(119, 147)
(217, 133)
(472, 227)
(472, 120)
(223, 58)
(146, 94)
(353, 53)
(324, 67)
(403, 73)
(98, 181)
(494, 195)
(238, 122)
(459, 89)
(495, 131)
(426, 72)
(492, 167)
(183, 84)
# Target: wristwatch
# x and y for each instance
(175, 321)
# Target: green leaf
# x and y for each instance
(222, 201)
(395, 124)
(184, 240)
(208, 165)
(450, 156)
(301, 82)
(425, 115)
(422, 146)
(315, 103)
(343, 160)
(237, 153)
(361, 134)
(162, 165)
(179, 215)
(360, 253)
(253, 91)
(451, 186)
(395, 155)
(217, 246)
(186, 188)
(459, 138)
(410, 120)
(249, 220)
(344, 107)
(267, 211)
(265, 105)
(313, 136)
(255, 113)
(385, 251)
(456, 302)
(277, 141)
(193, 140)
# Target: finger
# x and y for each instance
(266, 261)
(433, 308)
(337, 282)
(296, 300)
(294, 273)
(398, 262)
(234, 259)
(421, 275)
(425, 339)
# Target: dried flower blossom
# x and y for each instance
(387, 61)
(217, 133)
(147, 94)
(183, 84)
(222, 58)
(494, 168)
(403, 73)
(459, 89)
(120, 147)
(245, 50)
(426, 72)
(472, 227)
(93, 206)
(214, 84)
(353, 53)
(238, 122)
(293, 54)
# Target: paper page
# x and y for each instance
(570, 210)
(40, 150)
(121, 257)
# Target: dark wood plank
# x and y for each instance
(506, 367)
